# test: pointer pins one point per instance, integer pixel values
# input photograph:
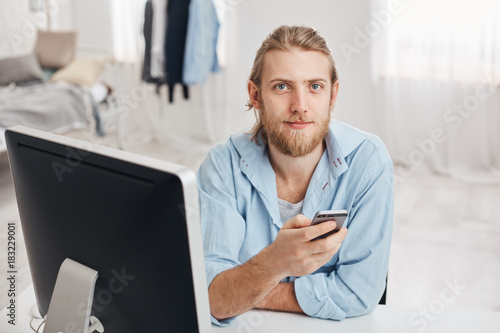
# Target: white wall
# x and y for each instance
(92, 20)
(18, 25)
(250, 22)
(17, 28)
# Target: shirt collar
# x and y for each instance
(347, 137)
(254, 163)
(341, 140)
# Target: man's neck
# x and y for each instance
(292, 169)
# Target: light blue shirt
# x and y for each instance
(200, 55)
(240, 216)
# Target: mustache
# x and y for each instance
(292, 119)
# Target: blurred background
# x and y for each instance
(422, 75)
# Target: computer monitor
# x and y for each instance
(133, 219)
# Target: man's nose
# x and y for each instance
(299, 101)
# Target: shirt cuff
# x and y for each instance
(312, 295)
(214, 269)
(222, 322)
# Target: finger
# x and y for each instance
(340, 235)
(319, 229)
(326, 244)
(323, 245)
(323, 257)
(299, 221)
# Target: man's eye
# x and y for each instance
(315, 86)
(281, 86)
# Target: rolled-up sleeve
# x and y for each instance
(223, 227)
(356, 283)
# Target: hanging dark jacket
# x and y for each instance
(177, 22)
(148, 26)
(148, 32)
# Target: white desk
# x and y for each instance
(385, 319)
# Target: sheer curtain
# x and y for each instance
(436, 77)
(126, 29)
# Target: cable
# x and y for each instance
(38, 329)
(39, 326)
(95, 324)
(31, 324)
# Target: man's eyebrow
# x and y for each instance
(317, 80)
(280, 80)
(290, 81)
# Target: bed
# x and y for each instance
(51, 100)
(56, 107)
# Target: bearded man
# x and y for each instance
(259, 191)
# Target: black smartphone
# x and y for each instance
(338, 216)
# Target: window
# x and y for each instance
(442, 40)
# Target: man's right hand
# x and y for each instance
(294, 254)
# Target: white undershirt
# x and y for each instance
(289, 210)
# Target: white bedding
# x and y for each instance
(2, 140)
(54, 107)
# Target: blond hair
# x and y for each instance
(285, 38)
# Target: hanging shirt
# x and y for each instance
(240, 216)
(159, 29)
(200, 58)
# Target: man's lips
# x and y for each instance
(298, 124)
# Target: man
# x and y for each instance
(259, 191)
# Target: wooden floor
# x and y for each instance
(445, 249)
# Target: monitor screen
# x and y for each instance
(131, 218)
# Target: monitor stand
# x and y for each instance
(71, 302)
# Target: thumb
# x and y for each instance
(299, 221)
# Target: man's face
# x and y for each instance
(295, 100)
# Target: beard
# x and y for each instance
(290, 141)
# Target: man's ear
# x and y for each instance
(335, 92)
(253, 94)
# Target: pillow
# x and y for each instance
(55, 49)
(81, 71)
(20, 69)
